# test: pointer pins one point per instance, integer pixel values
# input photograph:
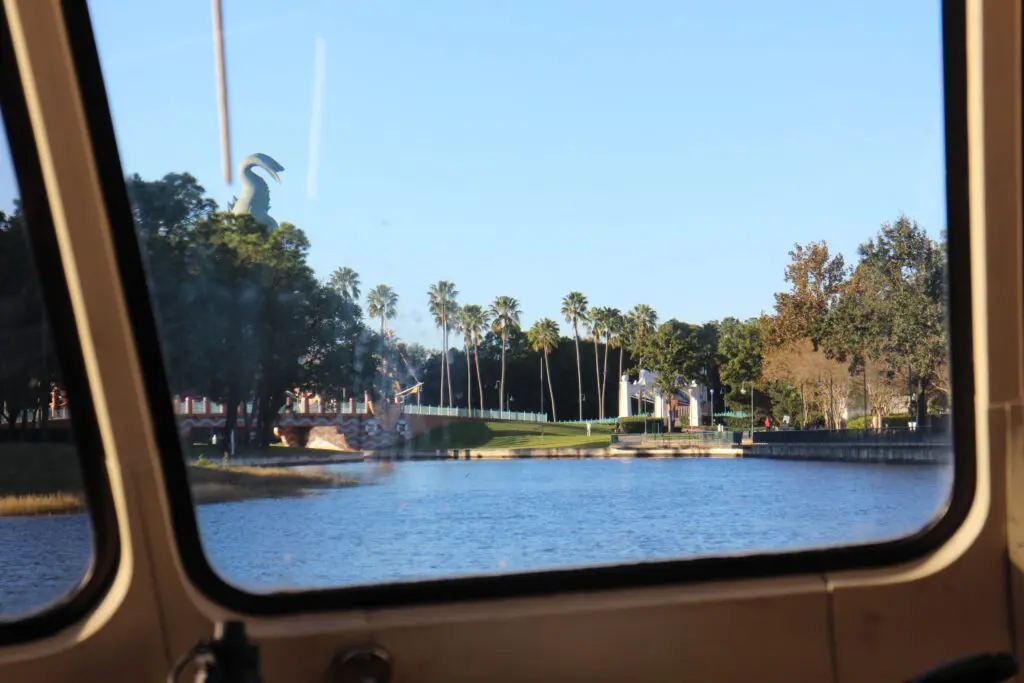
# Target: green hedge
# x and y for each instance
(889, 422)
(639, 424)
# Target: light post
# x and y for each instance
(743, 390)
(711, 411)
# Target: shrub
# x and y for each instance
(638, 424)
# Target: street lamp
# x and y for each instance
(711, 412)
(743, 390)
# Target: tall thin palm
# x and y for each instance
(476, 320)
(612, 325)
(600, 321)
(345, 281)
(543, 336)
(382, 302)
(464, 323)
(596, 323)
(442, 305)
(504, 318)
(574, 308)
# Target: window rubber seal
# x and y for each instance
(73, 606)
(535, 583)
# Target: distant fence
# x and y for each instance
(604, 421)
(475, 413)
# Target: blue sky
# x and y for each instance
(664, 152)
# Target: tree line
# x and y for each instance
(242, 318)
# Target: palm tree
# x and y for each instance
(475, 319)
(465, 323)
(597, 321)
(574, 308)
(345, 282)
(442, 305)
(642, 322)
(382, 302)
(618, 330)
(600, 321)
(611, 317)
(505, 317)
(543, 338)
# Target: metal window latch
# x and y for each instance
(229, 658)
(981, 668)
(369, 664)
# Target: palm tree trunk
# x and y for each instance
(479, 377)
(443, 355)
(597, 369)
(579, 370)
(469, 383)
(604, 376)
(501, 386)
(448, 368)
(551, 389)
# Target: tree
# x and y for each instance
(739, 355)
(668, 384)
(504, 318)
(574, 308)
(28, 368)
(815, 277)
(598, 321)
(543, 336)
(345, 281)
(617, 331)
(442, 306)
(901, 277)
(382, 302)
(475, 320)
(642, 321)
(610, 323)
(467, 322)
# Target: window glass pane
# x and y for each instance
(45, 536)
(726, 217)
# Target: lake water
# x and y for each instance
(433, 519)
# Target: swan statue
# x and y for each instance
(255, 196)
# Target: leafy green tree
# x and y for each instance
(740, 355)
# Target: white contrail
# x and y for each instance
(319, 68)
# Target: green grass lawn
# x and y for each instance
(484, 435)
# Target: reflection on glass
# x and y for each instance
(45, 536)
(608, 239)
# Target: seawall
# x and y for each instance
(865, 452)
(880, 452)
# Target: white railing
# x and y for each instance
(479, 414)
(208, 407)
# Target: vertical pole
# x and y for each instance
(865, 395)
(751, 410)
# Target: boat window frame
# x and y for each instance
(213, 586)
(73, 606)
